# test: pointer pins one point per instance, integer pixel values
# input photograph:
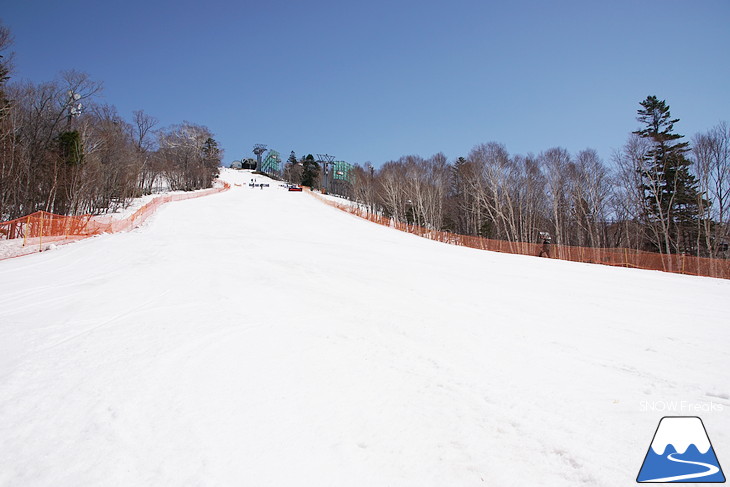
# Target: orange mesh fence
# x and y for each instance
(638, 259)
(41, 227)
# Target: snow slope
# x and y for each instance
(260, 337)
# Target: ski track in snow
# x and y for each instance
(260, 337)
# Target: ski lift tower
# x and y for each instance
(259, 149)
(326, 160)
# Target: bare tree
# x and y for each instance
(590, 193)
(493, 184)
(189, 155)
(531, 200)
(293, 172)
(62, 152)
(628, 203)
(141, 131)
(426, 188)
(364, 186)
(392, 190)
(7, 145)
(711, 151)
(556, 164)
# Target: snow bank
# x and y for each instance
(17, 247)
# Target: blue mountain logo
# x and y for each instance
(681, 452)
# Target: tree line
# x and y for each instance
(661, 193)
(63, 151)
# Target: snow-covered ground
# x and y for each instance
(260, 337)
(18, 247)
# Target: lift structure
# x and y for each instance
(326, 161)
(259, 149)
(342, 178)
(336, 175)
(272, 163)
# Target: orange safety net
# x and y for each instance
(638, 259)
(41, 227)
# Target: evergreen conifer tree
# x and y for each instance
(70, 147)
(670, 190)
(310, 175)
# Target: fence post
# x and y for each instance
(40, 235)
(27, 228)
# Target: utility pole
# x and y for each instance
(371, 205)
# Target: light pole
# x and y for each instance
(74, 109)
(370, 168)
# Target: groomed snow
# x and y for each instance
(260, 337)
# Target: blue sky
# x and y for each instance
(372, 81)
